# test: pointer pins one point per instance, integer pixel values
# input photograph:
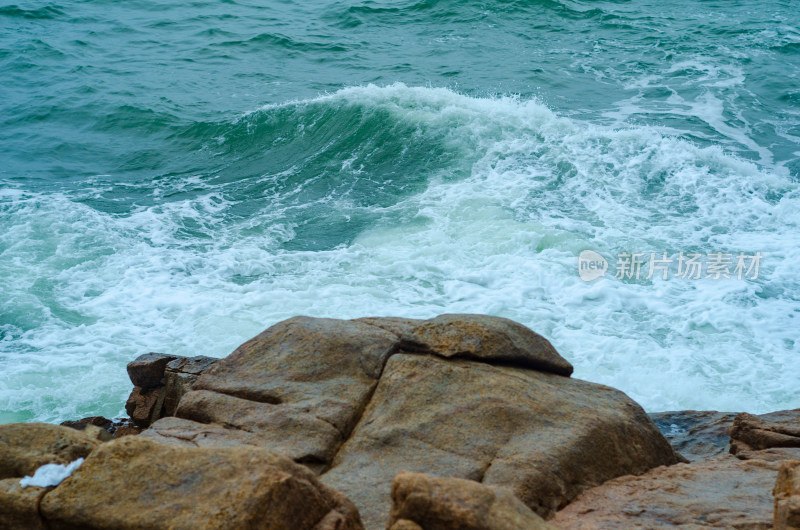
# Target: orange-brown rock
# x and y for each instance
(718, 492)
(543, 436)
(299, 386)
(134, 483)
(787, 496)
(776, 429)
(482, 337)
(435, 503)
(347, 400)
(19, 507)
(26, 446)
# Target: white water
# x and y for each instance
(96, 289)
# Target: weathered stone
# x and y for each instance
(305, 384)
(718, 492)
(787, 496)
(297, 434)
(485, 338)
(773, 454)
(398, 325)
(300, 386)
(405, 524)
(188, 433)
(26, 446)
(126, 428)
(99, 421)
(543, 436)
(135, 483)
(191, 365)
(696, 434)
(325, 365)
(435, 503)
(179, 377)
(19, 507)
(776, 429)
(144, 406)
(147, 370)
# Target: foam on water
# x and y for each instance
(496, 229)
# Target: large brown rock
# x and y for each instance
(480, 398)
(787, 496)
(776, 429)
(134, 483)
(19, 507)
(24, 447)
(717, 492)
(301, 386)
(482, 337)
(436, 503)
(543, 436)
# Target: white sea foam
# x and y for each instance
(50, 474)
(104, 288)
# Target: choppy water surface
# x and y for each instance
(176, 177)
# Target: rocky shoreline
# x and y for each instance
(460, 421)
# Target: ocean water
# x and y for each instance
(178, 176)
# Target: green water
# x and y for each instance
(179, 176)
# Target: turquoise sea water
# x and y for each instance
(178, 176)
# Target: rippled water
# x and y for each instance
(177, 177)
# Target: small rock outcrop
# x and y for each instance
(421, 501)
(147, 370)
(98, 421)
(787, 496)
(160, 380)
(774, 430)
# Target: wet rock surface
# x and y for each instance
(696, 434)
